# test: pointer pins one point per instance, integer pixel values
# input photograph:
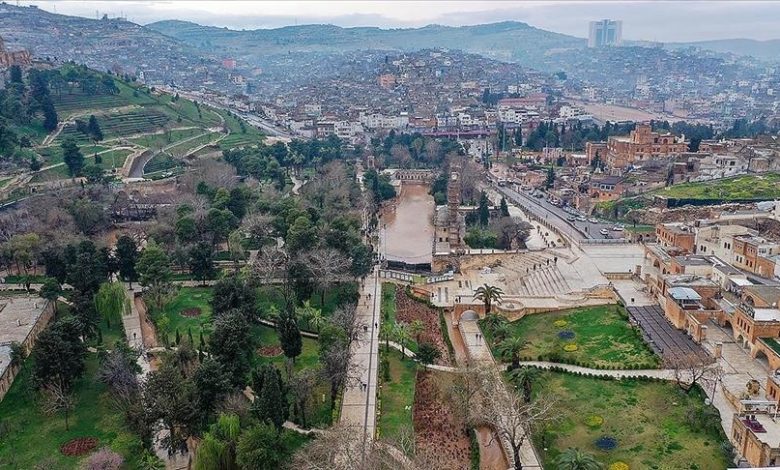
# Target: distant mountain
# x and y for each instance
(509, 41)
(764, 50)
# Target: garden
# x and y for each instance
(93, 423)
(640, 423)
(763, 186)
(598, 337)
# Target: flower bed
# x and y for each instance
(79, 446)
(566, 334)
(560, 323)
(190, 312)
(409, 310)
(619, 466)
(606, 443)
(571, 347)
(594, 421)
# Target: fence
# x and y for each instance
(415, 278)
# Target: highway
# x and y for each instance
(558, 217)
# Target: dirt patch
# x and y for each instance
(437, 430)
(148, 331)
(190, 312)
(409, 310)
(79, 446)
(269, 351)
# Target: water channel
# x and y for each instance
(407, 225)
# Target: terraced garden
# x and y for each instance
(764, 186)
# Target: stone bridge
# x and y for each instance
(423, 176)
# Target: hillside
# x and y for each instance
(512, 41)
(764, 50)
(114, 44)
(117, 128)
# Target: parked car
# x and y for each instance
(617, 228)
(604, 232)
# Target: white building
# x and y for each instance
(605, 33)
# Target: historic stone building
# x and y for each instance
(641, 145)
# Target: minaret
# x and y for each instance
(453, 204)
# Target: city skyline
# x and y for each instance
(648, 20)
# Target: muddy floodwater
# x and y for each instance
(407, 225)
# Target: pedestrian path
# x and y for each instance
(358, 406)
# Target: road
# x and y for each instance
(558, 217)
(263, 124)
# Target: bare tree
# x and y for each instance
(258, 226)
(345, 318)
(690, 371)
(57, 399)
(328, 267)
(463, 389)
(118, 370)
(301, 384)
(513, 418)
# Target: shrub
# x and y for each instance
(566, 334)
(606, 443)
(594, 421)
(571, 347)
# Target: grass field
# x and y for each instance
(647, 419)
(396, 393)
(766, 186)
(602, 334)
(186, 298)
(30, 437)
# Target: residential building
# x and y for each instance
(605, 33)
(642, 145)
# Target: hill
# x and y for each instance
(509, 41)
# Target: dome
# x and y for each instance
(469, 315)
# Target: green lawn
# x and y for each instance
(396, 395)
(602, 335)
(186, 298)
(763, 186)
(648, 420)
(28, 437)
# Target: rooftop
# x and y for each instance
(684, 293)
(18, 316)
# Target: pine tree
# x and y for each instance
(269, 404)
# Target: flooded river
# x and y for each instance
(408, 225)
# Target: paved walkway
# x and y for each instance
(358, 406)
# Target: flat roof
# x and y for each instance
(18, 316)
(684, 293)
(766, 314)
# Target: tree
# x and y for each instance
(524, 377)
(110, 301)
(119, 370)
(503, 207)
(231, 345)
(427, 353)
(484, 209)
(512, 347)
(217, 450)
(104, 459)
(416, 328)
(59, 355)
(550, 178)
(335, 358)
(202, 262)
(92, 173)
(327, 266)
(401, 334)
(211, 385)
(575, 459)
(170, 397)
(127, 256)
(301, 386)
(58, 399)
(289, 335)
(154, 271)
(262, 447)
(690, 371)
(51, 290)
(311, 315)
(72, 157)
(269, 405)
(50, 118)
(488, 295)
(232, 293)
(15, 74)
(94, 129)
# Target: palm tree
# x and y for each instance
(524, 377)
(511, 347)
(311, 315)
(218, 447)
(416, 328)
(401, 334)
(501, 332)
(387, 331)
(575, 459)
(488, 294)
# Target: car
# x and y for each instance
(581, 219)
(539, 195)
(571, 218)
(617, 228)
(593, 221)
(604, 232)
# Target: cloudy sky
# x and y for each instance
(657, 20)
